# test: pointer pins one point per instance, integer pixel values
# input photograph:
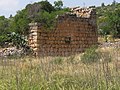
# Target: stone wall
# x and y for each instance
(72, 34)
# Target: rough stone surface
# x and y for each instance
(74, 33)
(10, 52)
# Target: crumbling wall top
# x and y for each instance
(78, 12)
(83, 12)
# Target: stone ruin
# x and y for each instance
(74, 32)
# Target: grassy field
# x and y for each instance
(63, 73)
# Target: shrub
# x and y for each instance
(17, 40)
(3, 40)
(90, 55)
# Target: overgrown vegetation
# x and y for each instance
(109, 20)
(17, 40)
(90, 55)
(42, 12)
(45, 13)
(61, 74)
(94, 70)
(4, 23)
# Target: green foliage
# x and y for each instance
(58, 4)
(102, 5)
(3, 39)
(22, 19)
(109, 19)
(90, 56)
(42, 12)
(19, 23)
(113, 19)
(47, 16)
(17, 40)
(34, 9)
(46, 6)
(45, 13)
(48, 20)
(114, 2)
(4, 24)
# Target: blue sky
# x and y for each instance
(8, 7)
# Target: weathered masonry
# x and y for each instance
(74, 33)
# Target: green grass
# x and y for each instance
(68, 73)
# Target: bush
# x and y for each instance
(3, 40)
(17, 40)
(90, 56)
(48, 20)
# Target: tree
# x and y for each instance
(19, 23)
(4, 24)
(114, 2)
(102, 5)
(46, 6)
(58, 4)
(114, 22)
(42, 12)
(110, 23)
(35, 9)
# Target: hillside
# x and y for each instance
(109, 19)
(102, 10)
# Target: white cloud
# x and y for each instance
(9, 5)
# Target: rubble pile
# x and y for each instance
(11, 51)
(83, 12)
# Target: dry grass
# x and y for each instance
(62, 73)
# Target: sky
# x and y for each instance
(8, 7)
